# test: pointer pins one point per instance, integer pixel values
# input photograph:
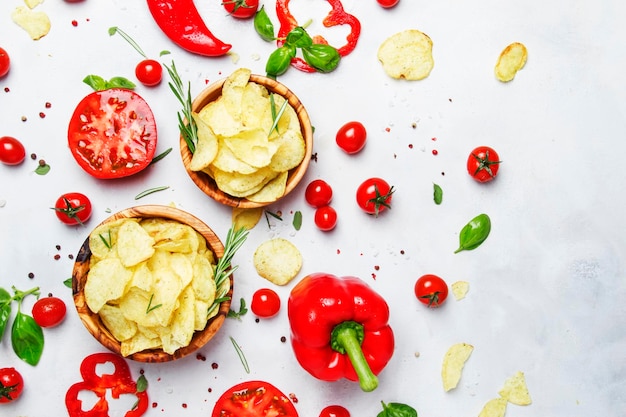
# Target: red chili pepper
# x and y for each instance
(181, 22)
(337, 16)
(119, 382)
(339, 329)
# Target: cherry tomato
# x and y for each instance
(483, 163)
(12, 151)
(325, 218)
(374, 195)
(112, 133)
(254, 399)
(265, 303)
(388, 3)
(73, 208)
(334, 411)
(318, 193)
(351, 137)
(431, 290)
(5, 63)
(11, 385)
(241, 9)
(149, 72)
(49, 311)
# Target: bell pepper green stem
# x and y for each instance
(347, 338)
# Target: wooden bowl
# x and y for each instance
(92, 320)
(208, 185)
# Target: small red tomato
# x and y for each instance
(149, 72)
(334, 411)
(265, 303)
(318, 193)
(431, 290)
(12, 151)
(325, 218)
(73, 208)
(49, 311)
(374, 195)
(11, 385)
(351, 137)
(241, 9)
(483, 163)
(388, 3)
(5, 63)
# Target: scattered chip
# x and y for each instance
(36, 24)
(511, 60)
(494, 408)
(407, 55)
(515, 390)
(460, 289)
(453, 363)
(33, 3)
(246, 218)
(277, 260)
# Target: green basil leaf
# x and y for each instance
(324, 58)
(297, 220)
(42, 169)
(397, 410)
(263, 25)
(437, 194)
(121, 82)
(279, 60)
(142, 383)
(298, 38)
(27, 338)
(68, 282)
(474, 233)
(96, 82)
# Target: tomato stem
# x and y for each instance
(347, 338)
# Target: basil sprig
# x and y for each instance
(26, 335)
(474, 233)
(397, 410)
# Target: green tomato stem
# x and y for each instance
(347, 338)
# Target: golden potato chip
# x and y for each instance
(182, 267)
(106, 281)
(246, 217)
(206, 147)
(201, 309)
(494, 408)
(256, 107)
(33, 3)
(36, 24)
(118, 325)
(290, 152)
(135, 305)
(460, 289)
(203, 282)
(272, 190)
(142, 277)
(407, 55)
(252, 146)
(164, 300)
(511, 60)
(137, 343)
(515, 390)
(453, 363)
(103, 239)
(183, 320)
(233, 90)
(217, 116)
(134, 244)
(277, 260)
(227, 161)
(240, 185)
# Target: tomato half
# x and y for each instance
(483, 163)
(12, 151)
(351, 137)
(11, 385)
(73, 208)
(325, 218)
(374, 195)
(334, 411)
(265, 303)
(49, 311)
(431, 290)
(318, 193)
(112, 133)
(5, 63)
(149, 72)
(254, 399)
(241, 9)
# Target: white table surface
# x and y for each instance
(547, 288)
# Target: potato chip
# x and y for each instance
(290, 152)
(137, 343)
(36, 24)
(206, 147)
(494, 408)
(142, 277)
(217, 116)
(33, 3)
(453, 363)
(272, 190)
(515, 390)
(134, 244)
(118, 325)
(511, 60)
(227, 161)
(240, 185)
(252, 146)
(107, 281)
(246, 217)
(460, 289)
(277, 260)
(203, 282)
(201, 309)
(407, 55)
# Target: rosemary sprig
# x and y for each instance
(151, 191)
(241, 355)
(276, 116)
(107, 242)
(150, 306)
(187, 129)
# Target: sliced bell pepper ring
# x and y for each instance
(119, 382)
(336, 17)
(339, 329)
(183, 24)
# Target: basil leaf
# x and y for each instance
(263, 25)
(42, 169)
(299, 38)
(278, 62)
(297, 220)
(27, 338)
(397, 410)
(121, 82)
(324, 58)
(5, 310)
(96, 82)
(142, 383)
(474, 233)
(437, 194)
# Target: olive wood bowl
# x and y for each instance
(208, 185)
(92, 320)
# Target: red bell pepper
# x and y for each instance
(183, 24)
(337, 16)
(119, 382)
(339, 329)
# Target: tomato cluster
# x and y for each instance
(319, 194)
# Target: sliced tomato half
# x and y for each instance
(254, 399)
(112, 133)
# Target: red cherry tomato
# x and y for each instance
(431, 290)
(12, 151)
(254, 399)
(374, 195)
(325, 218)
(334, 411)
(483, 163)
(388, 3)
(241, 9)
(5, 63)
(318, 193)
(112, 133)
(265, 303)
(149, 72)
(11, 385)
(73, 208)
(49, 311)
(351, 137)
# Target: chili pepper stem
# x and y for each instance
(347, 338)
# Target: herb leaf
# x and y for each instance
(297, 220)
(150, 191)
(242, 310)
(437, 194)
(474, 233)
(188, 130)
(242, 357)
(27, 338)
(397, 410)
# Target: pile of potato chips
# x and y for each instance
(248, 141)
(151, 281)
